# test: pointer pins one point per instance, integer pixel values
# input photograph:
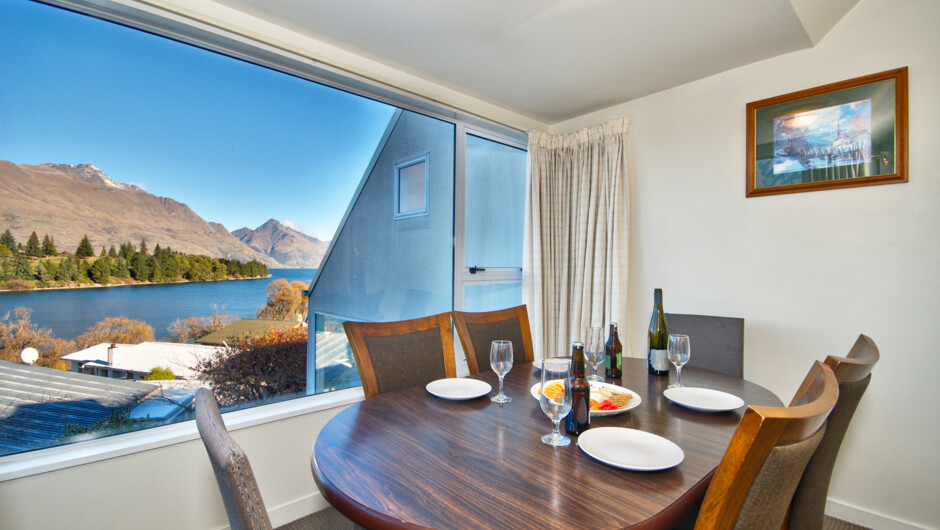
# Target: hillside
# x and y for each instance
(69, 201)
(288, 246)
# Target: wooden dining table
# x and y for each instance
(408, 459)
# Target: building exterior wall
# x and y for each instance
(382, 268)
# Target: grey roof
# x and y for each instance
(36, 403)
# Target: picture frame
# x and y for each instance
(841, 135)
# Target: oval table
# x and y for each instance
(407, 459)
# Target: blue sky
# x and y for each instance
(238, 143)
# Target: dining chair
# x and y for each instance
(717, 342)
(853, 372)
(762, 466)
(240, 493)
(477, 330)
(395, 355)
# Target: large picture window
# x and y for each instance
(174, 218)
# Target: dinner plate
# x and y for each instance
(630, 449)
(703, 399)
(595, 387)
(458, 388)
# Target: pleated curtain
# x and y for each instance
(575, 253)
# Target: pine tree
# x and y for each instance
(66, 272)
(21, 268)
(127, 250)
(143, 246)
(120, 269)
(48, 246)
(8, 240)
(33, 250)
(84, 249)
(112, 252)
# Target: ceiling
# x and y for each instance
(552, 60)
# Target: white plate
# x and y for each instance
(595, 386)
(630, 449)
(703, 399)
(458, 388)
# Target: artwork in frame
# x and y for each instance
(842, 135)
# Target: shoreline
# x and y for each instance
(100, 286)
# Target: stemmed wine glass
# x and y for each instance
(556, 374)
(501, 361)
(594, 351)
(678, 354)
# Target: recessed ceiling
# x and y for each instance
(552, 60)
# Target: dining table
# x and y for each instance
(409, 459)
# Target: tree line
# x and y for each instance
(285, 301)
(34, 264)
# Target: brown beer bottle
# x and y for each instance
(579, 419)
(613, 354)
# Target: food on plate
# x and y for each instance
(603, 405)
(618, 398)
(554, 390)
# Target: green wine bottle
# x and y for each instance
(656, 350)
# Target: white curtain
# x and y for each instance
(574, 265)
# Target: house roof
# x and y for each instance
(143, 357)
(36, 403)
(242, 328)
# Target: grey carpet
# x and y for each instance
(330, 519)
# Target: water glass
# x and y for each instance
(678, 351)
(501, 362)
(594, 351)
(556, 377)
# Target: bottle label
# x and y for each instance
(607, 362)
(619, 361)
(658, 360)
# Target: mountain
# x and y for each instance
(69, 201)
(288, 246)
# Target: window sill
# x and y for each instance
(65, 456)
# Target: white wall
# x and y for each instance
(808, 271)
(173, 486)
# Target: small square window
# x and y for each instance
(411, 188)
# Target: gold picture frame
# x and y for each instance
(841, 135)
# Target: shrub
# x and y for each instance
(159, 373)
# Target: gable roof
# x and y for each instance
(36, 403)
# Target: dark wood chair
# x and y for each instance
(717, 342)
(237, 483)
(759, 472)
(853, 372)
(395, 355)
(478, 330)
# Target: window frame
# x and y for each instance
(413, 161)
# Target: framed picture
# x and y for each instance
(842, 135)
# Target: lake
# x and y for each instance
(70, 312)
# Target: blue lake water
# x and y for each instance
(70, 312)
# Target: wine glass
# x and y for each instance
(678, 354)
(556, 374)
(501, 361)
(594, 351)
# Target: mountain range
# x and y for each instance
(289, 247)
(70, 201)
